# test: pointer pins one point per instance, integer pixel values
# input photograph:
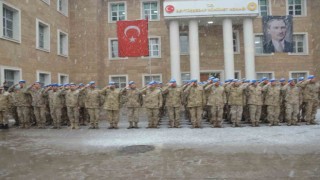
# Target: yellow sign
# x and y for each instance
(252, 6)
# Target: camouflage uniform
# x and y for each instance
(72, 103)
(57, 105)
(254, 94)
(112, 105)
(293, 100)
(5, 105)
(272, 101)
(134, 102)
(282, 115)
(310, 98)
(92, 103)
(236, 101)
(22, 102)
(173, 104)
(152, 102)
(216, 102)
(195, 102)
(83, 113)
(39, 106)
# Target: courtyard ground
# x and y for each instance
(264, 152)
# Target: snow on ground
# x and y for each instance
(264, 139)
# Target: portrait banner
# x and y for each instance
(277, 34)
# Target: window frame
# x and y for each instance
(306, 41)
(62, 74)
(59, 31)
(66, 13)
(110, 50)
(159, 44)
(119, 75)
(142, 9)
(110, 7)
(184, 53)
(255, 52)
(238, 71)
(46, 49)
(144, 75)
(46, 1)
(264, 72)
(291, 72)
(237, 41)
(222, 75)
(16, 30)
(304, 11)
(2, 74)
(269, 9)
(38, 72)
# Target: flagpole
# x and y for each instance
(149, 51)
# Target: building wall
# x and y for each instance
(89, 33)
(24, 55)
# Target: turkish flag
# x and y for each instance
(133, 38)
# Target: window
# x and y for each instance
(63, 78)
(62, 43)
(236, 42)
(185, 77)
(150, 10)
(300, 45)
(10, 25)
(62, 7)
(297, 7)
(296, 74)
(258, 43)
(43, 35)
(237, 75)
(44, 78)
(269, 75)
(121, 81)
(184, 43)
(154, 47)
(46, 1)
(264, 8)
(10, 74)
(117, 11)
(151, 77)
(113, 49)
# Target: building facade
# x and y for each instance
(76, 40)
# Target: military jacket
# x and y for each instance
(272, 95)
(38, 98)
(134, 98)
(173, 96)
(293, 95)
(112, 99)
(236, 96)
(254, 94)
(21, 97)
(72, 98)
(93, 98)
(195, 96)
(216, 95)
(5, 101)
(310, 91)
(153, 98)
(57, 99)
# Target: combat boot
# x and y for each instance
(115, 126)
(76, 126)
(130, 126)
(6, 126)
(1, 126)
(71, 125)
(257, 123)
(135, 125)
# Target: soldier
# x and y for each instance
(134, 102)
(38, 102)
(216, 101)
(236, 101)
(293, 100)
(72, 103)
(5, 105)
(92, 102)
(282, 115)
(226, 109)
(173, 103)
(152, 102)
(254, 94)
(21, 100)
(207, 108)
(246, 110)
(83, 113)
(272, 101)
(112, 104)
(162, 110)
(196, 101)
(64, 116)
(311, 98)
(56, 105)
(264, 81)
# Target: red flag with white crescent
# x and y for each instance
(133, 38)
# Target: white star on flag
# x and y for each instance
(132, 39)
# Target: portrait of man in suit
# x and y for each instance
(277, 34)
